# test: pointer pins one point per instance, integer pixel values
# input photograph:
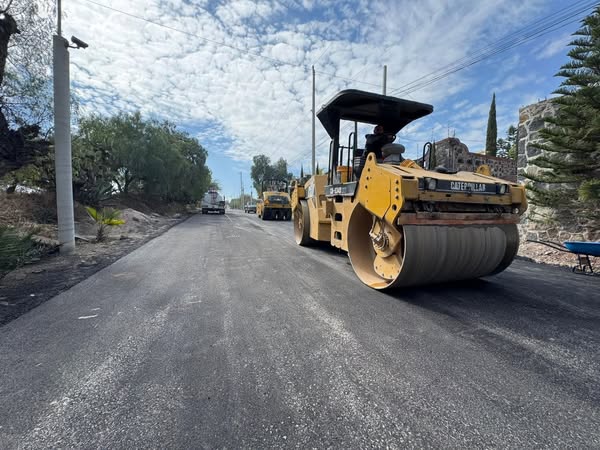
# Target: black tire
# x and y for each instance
(302, 224)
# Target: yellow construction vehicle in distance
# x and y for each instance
(403, 224)
(274, 201)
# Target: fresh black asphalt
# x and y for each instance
(222, 333)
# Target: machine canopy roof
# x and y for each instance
(366, 107)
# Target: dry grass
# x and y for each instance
(20, 209)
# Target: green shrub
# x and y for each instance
(104, 218)
(16, 248)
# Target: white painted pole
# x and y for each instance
(59, 11)
(62, 146)
(314, 151)
(384, 79)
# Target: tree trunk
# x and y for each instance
(8, 27)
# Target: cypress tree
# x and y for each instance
(568, 178)
(492, 130)
(301, 171)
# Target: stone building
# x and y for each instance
(455, 155)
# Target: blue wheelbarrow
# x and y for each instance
(583, 250)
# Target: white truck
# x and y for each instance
(213, 202)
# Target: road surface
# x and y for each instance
(223, 333)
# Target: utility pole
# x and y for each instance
(62, 141)
(242, 193)
(384, 79)
(313, 121)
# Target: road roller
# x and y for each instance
(274, 201)
(402, 222)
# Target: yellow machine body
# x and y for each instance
(403, 225)
(274, 205)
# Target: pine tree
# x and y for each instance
(568, 179)
(507, 148)
(492, 130)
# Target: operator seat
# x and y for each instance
(392, 153)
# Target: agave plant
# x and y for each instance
(107, 217)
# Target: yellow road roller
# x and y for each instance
(403, 223)
(274, 202)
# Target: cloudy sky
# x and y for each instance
(236, 74)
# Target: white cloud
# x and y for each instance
(556, 46)
(244, 104)
(512, 81)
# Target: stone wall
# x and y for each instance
(531, 121)
(548, 224)
(455, 155)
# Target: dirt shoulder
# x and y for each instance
(31, 285)
(543, 254)
(27, 287)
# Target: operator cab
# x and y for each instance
(390, 113)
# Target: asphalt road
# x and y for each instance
(223, 333)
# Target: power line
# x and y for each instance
(508, 42)
(502, 45)
(224, 44)
(493, 49)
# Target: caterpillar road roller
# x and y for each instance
(401, 222)
(274, 202)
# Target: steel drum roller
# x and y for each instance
(427, 254)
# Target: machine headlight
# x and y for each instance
(430, 184)
(502, 189)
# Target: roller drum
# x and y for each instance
(434, 254)
(430, 254)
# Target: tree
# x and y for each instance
(25, 89)
(137, 156)
(567, 177)
(301, 171)
(261, 170)
(280, 171)
(507, 148)
(25, 60)
(492, 130)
